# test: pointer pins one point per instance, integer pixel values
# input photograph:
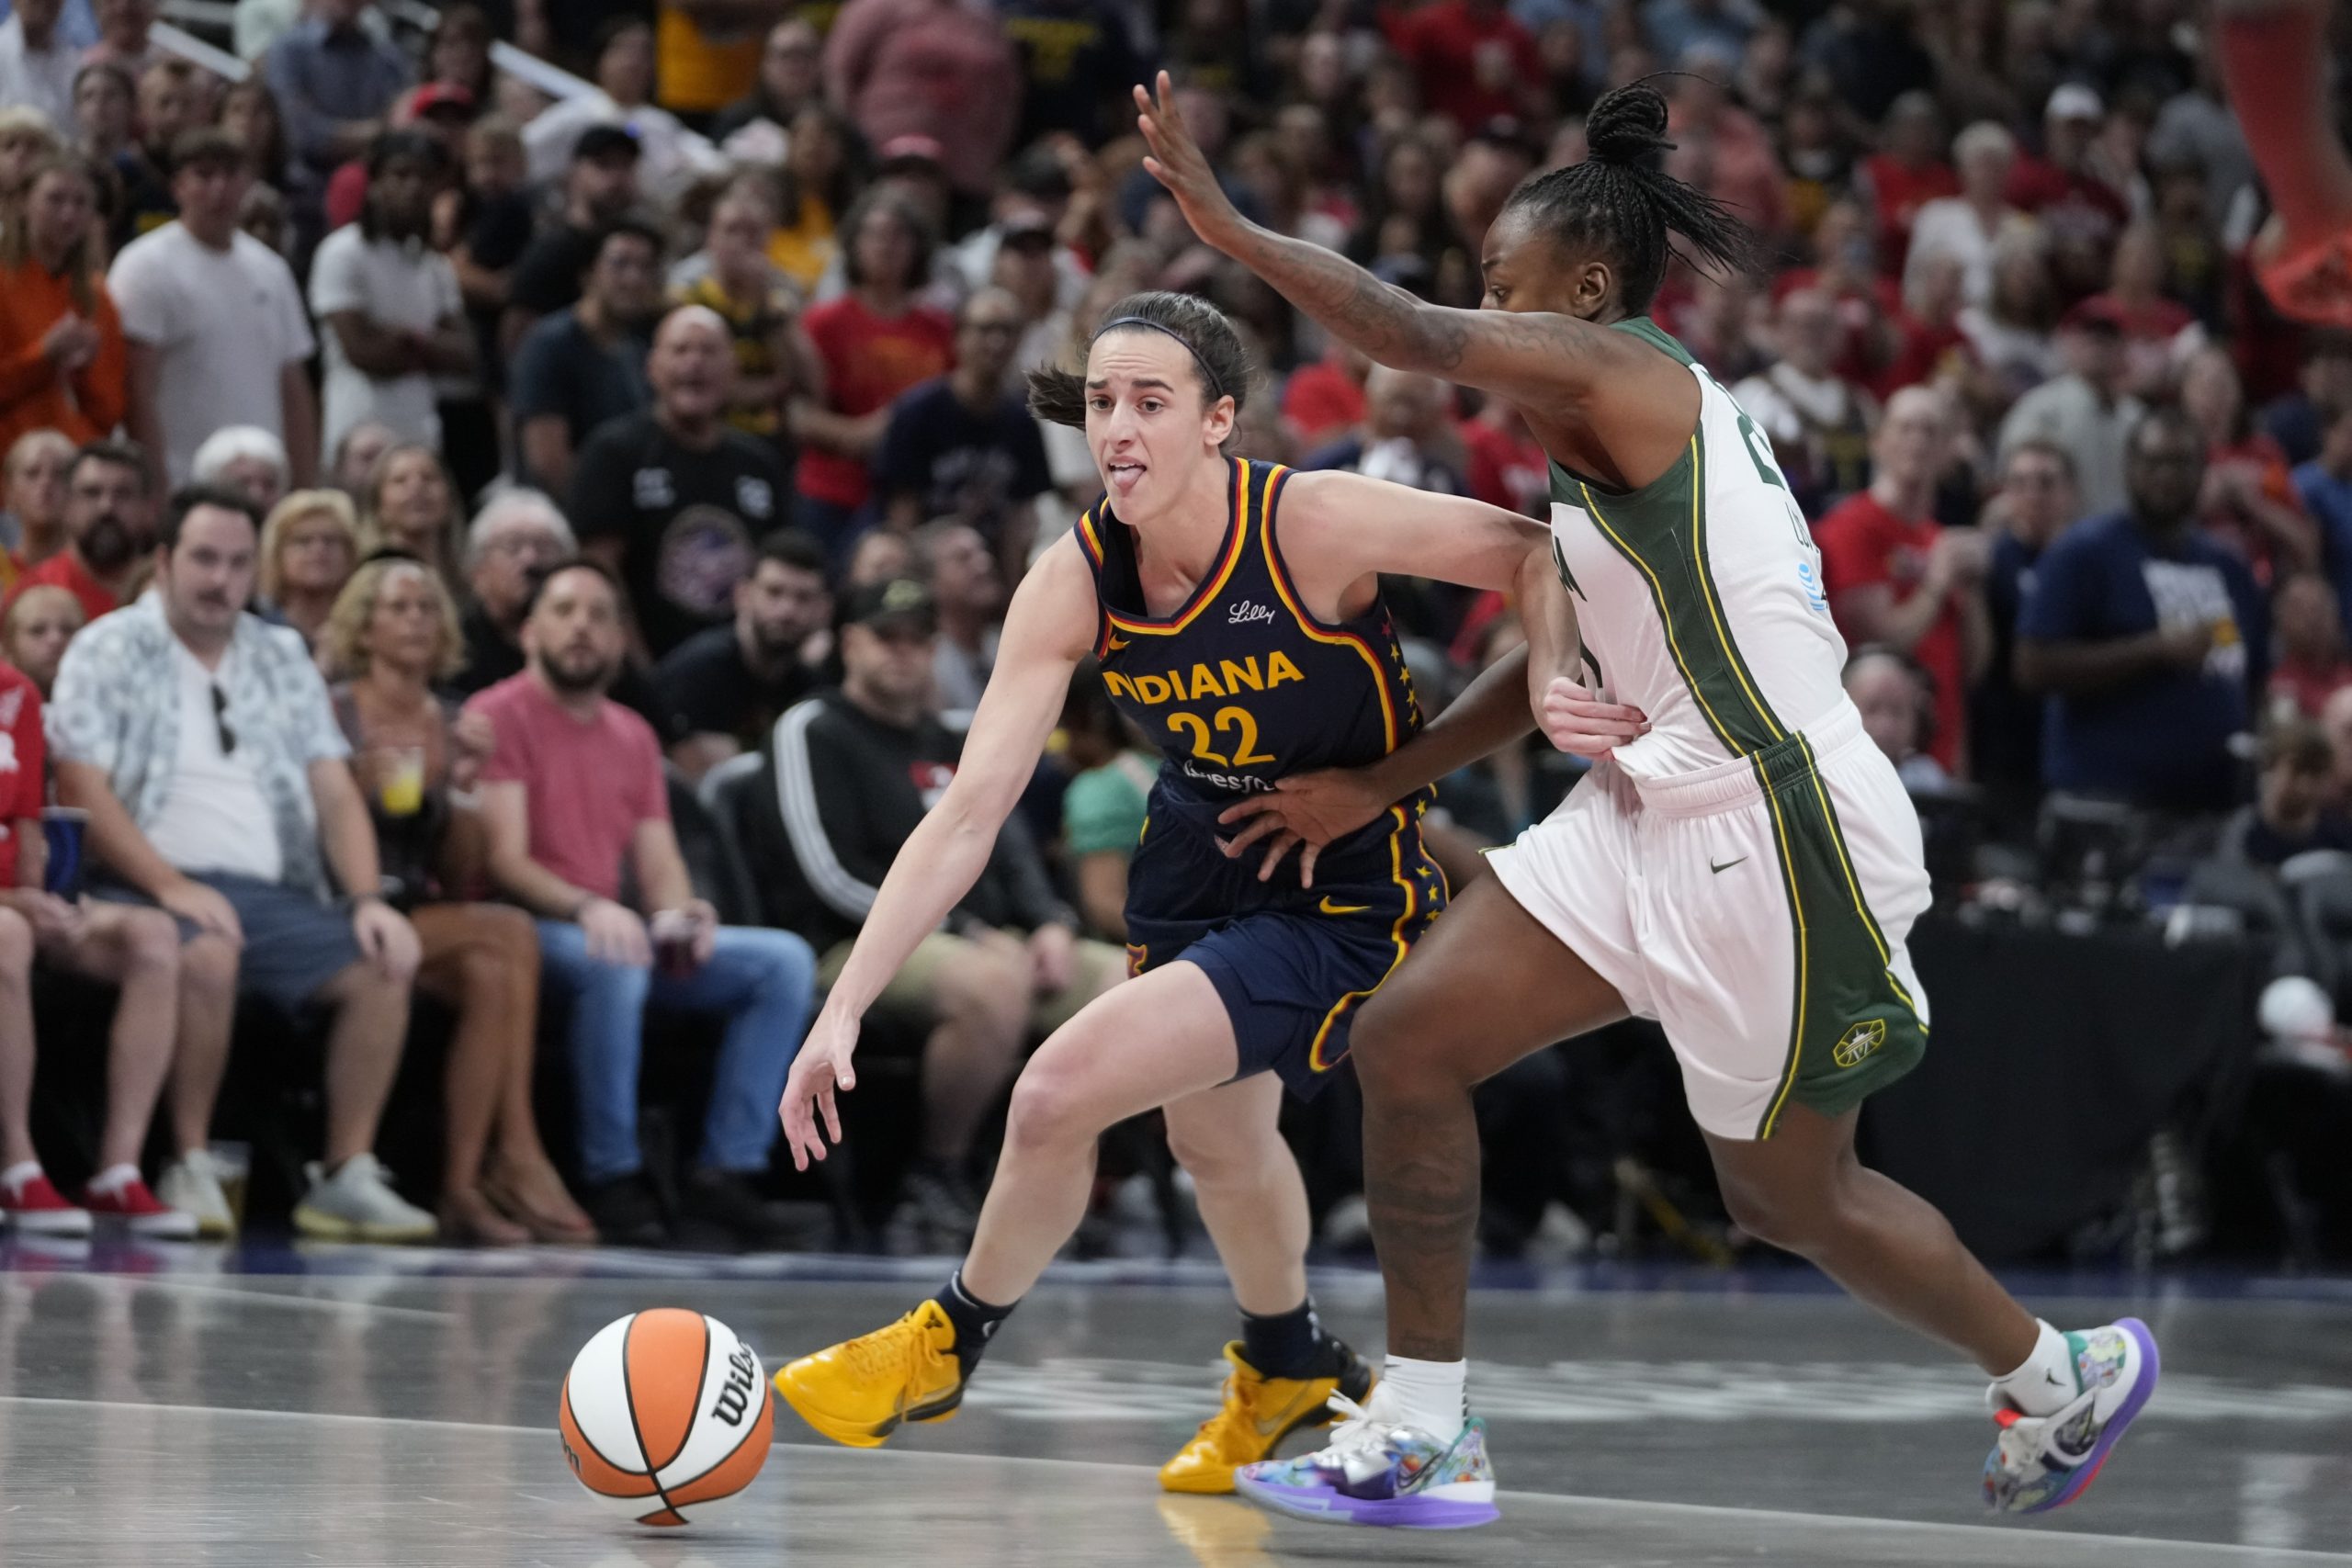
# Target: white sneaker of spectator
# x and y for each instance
(357, 1203)
(192, 1185)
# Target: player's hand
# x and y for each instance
(615, 934)
(1303, 812)
(1053, 958)
(1581, 724)
(386, 938)
(1178, 163)
(821, 1069)
(204, 907)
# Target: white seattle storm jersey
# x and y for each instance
(1700, 595)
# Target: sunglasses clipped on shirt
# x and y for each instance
(228, 737)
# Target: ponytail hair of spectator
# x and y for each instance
(1620, 202)
(1219, 360)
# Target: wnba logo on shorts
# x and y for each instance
(1859, 1041)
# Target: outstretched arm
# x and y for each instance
(1048, 629)
(1527, 357)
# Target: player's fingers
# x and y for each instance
(833, 1118)
(1248, 806)
(1306, 864)
(1261, 829)
(1283, 846)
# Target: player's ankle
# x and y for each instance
(1429, 1396)
(976, 1321)
(1288, 1344)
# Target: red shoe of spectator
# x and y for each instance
(2311, 282)
(35, 1206)
(140, 1211)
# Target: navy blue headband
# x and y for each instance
(1208, 376)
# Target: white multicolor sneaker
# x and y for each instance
(357, 1203)
(2040, 1462)
(1377, 1471)
(192, 1185)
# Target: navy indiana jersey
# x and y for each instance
(1242, 684)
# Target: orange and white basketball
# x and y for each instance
(664, 1413)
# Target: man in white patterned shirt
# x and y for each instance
(201, 742)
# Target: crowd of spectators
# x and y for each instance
(456, 477)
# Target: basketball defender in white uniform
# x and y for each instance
(1741, 863)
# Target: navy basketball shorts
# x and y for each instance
(1291, 965)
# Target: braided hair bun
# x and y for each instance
(1628, 126)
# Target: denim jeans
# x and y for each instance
(761, 979)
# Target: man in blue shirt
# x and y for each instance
(2325, 486)
(2148, 638)
(335, 82)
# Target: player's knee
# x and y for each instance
(1049, 1113)
(1213, 1155)
(1391, 1042)
(1793, 1218)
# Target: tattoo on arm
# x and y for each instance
(1484, 348)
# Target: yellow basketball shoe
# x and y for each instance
(858, 1392)
(1259, 1413)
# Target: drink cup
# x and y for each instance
(232, 1163)
(64, 827)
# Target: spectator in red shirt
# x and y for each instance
(136, 949)
(109, 523)
(874, 341)
(1324, 401)
(2312, 665)
(1721, 149)
(1899, 580)
(935, 68)
(1474, 61)
(2249, 501)
(1907, 175)
(2159, 335)
(1865, 305)
(574, 791)
(2080, 212)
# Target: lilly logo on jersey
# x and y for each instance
(1858, 1042)
(1249, 610)
(1226, 679)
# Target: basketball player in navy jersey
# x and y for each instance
(1235, 607)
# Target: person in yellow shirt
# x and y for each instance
(709, 50)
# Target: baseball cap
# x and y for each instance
(901, 602)
(913, 148)
(448, 97)
(601, 141)
(2095, 314)
(2072, 100)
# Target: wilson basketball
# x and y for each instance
(664, 1413)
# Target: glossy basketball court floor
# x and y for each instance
(356, 1407)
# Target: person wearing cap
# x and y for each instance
(935, 68)
(2085, 412)
(439, 110)
(600, 185)
(388, 301)
(585, 366)
(849, 774)
(573, 793)
(2082, 211)
(214, 321)
(623, 96)
(335, 82)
